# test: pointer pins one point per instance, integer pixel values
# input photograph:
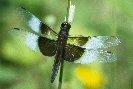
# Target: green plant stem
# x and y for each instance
(61, 74)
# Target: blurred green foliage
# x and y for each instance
(20, 68)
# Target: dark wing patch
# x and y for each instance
(78, 41)
(72, 53)
(47, 46)
(35, 24)
(48, 32)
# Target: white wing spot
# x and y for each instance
(102, 42)
(31, 41)
(90, 56)
(34, 24)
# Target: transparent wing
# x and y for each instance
(81, 55)
(35, 24)
(94, 42)
(25, 38)
(93, 55)
(101, 42)
(37, 43)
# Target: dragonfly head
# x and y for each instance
(65, 25)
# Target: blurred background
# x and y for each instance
(21, 68)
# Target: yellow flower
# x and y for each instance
(91, 78)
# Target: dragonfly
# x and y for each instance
(76, 49)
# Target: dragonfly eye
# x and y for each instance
(66, 24)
